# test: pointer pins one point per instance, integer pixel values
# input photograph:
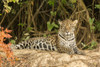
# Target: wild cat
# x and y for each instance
(64, 42)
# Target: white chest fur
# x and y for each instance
(67, 42)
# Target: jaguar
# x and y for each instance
(63, 42)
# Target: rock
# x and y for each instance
(33, 58)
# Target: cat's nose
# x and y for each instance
(67, 33)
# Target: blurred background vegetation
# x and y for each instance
(35, 18)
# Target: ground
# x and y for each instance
(33, 58)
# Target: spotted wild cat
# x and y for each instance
(64, 42)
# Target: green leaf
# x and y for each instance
(21, 24)
(27, 37)
(97, 6)
(51, 2)
(8, 1)
(55, 25)
(64, 1)
(53, 13)
(49, 26)
(72, 1)
(93, 44)
(14, 1)
(98, 25)
(8, 8)
(17, 1)
(13, 11)
(44, 35)
(0, 14)
(12, 41)
(29, 28)
(85, 46)
(49, 35)
(26, 34)
(91, 20)
(92, 27)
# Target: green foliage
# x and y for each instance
(26, 36)
(91, 20)
(0, 14)
(8, 8)
(44, 35)
(53, 13)
(13, 41)
(97, 6)
(64, 1)
(72, 1)
(51, 2)
(98, 25)
(50, 26)
(14, 1)
(13, 11)
(29, 28)
(84, 45)
(92, 27)
(91, 46)
(21, 24)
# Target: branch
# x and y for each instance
(33, 17)
(15, 17)
(2, 19)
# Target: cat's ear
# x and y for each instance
(75, 22)
(60, 22)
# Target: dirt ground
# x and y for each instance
(33, 58)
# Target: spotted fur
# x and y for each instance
(41, 43)
(64, 42)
